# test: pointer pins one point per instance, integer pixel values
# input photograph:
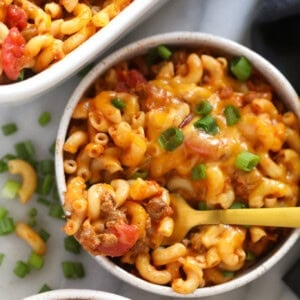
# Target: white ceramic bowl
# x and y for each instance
(283, 89)
(29, 89)
(75, 294)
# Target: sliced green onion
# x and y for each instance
(52, 148)
(44, 118)
(44, 288)
(208, 124)
(241, 68)
(11, 189)
(228, 274)
(36, 261)
(21, 75)
(46, 166)
(164, 52)
(43, 201)
(44, 235)
(2, 255)
(32, 222)
(25, 150)
(203, 108)
(3, 212)
(32, 212)
(73, 270)
(55, 194)
(45, 184)
(7, 226)
(171, 138)
(250, 256)
(139, 174)
(3, 166)
(232, 114)
(72, 245)
(238, 205)
(56, 211)
(118, 103)
(202, 205)
(246, 161)
(9, 128)
(198, 172)
(21, 269)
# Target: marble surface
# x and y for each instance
(225, 18)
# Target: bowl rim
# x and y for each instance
(185, 38)
(28, 90)
(62, 294)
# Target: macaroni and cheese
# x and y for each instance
(186, 122)
(36, 34)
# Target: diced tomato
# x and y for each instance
(134, 78)
(127, 236)
(16, 17)
(12, 53)
(130, 79)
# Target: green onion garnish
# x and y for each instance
(241, 68)
(45, 184)
(202, 205)
(32, 222)
(7, 226)
(3, 212)
(171, 138)
(36, 261)
(3, 166)
(203, 108)
(46, 166)
(164, 52)
(44, 288)
(52, 148)
(43, 201)
(10, 189)
(32, 212)
(72, 245)
(139, 174)
(44, 118)
(238, 205)
(198, 172)
(9, 128)
(250, 256)
(25, 150)
(246, 161)
(21, 75)
(2, 255)
(72, 270)
(118, 103)
(56, 211)
(208, 124)
(232, 114)
(21, 269)
(227, 274)
(44, 235)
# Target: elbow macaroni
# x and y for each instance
(124, 203)
(51, 30)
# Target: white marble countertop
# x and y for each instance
(225, 18)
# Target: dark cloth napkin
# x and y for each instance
(275, 34)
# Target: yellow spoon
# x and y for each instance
(185, 217)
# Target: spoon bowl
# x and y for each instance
(185, 217)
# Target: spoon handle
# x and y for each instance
(279, 217)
